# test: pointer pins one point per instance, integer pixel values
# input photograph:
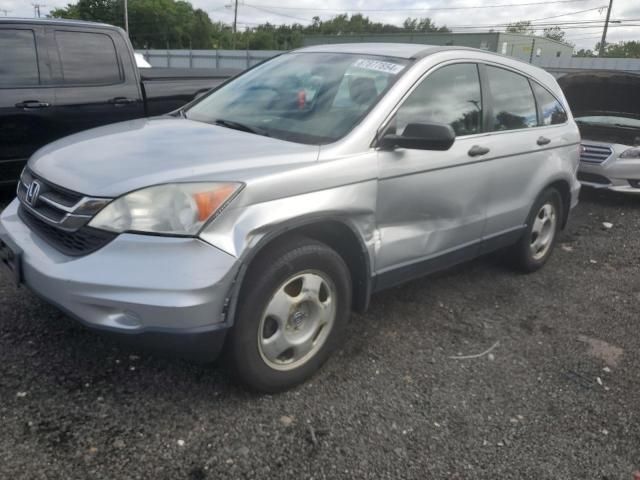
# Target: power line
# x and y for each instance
(262, 9)
(570, 13)
(541, 24)
(535, 28)
(565, 24)
(468, 7)
(581, 24)
(266, 10)
(584, 38)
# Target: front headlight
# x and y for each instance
(631, 153)
(174, 209)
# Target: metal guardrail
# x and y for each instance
(206, 58)
(242, 59)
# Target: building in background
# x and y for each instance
(555, 57)
(533, 49)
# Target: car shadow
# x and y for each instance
(65, 354)
(609, 198)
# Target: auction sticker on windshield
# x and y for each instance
(378, 66)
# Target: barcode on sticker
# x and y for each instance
(379, 66)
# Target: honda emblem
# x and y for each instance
(33, 191)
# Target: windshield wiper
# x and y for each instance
(240, 126)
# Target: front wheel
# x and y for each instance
(293, 309)
(535, 247)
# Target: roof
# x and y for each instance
(400, 50)
(55, 21)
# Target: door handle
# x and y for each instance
(122, 101)
(543, 141)
(477, 151)
(32, 104)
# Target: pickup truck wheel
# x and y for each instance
(292, 313)
(536, 245)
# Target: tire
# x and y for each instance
(292, 313)
(538, 241)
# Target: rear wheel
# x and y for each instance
(293, 309)
(536, 245)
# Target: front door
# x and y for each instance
(432, 204)
(25, 99)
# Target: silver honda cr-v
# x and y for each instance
(260, 215)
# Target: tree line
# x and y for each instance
(630, 49)
(176, 24)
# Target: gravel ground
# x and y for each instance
(557, 398)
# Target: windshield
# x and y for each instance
(312, 98)
(610, 121)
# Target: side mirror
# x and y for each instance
(420, 136)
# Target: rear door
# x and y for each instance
(524, 147)
(432, 204)
(96, 83)
(25, 97)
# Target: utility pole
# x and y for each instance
(126, 16)
(5, 11)
(36, 9)
(533, 47)
(604, 32)
(235, 22)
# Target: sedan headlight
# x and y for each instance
(173, 209)
(631, 153)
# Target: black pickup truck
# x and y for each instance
(58, 77)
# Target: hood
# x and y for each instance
(597, 93)
(115, 159)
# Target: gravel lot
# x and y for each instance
(558, 398)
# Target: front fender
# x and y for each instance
(246, 231)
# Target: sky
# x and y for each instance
(253, 12)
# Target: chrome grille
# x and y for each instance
(595, 153)
(60, 216)
(74, 244)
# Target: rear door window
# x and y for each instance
(18, 58)
(513, 104)
(87, 58)
(450, 95)
(551, 110)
